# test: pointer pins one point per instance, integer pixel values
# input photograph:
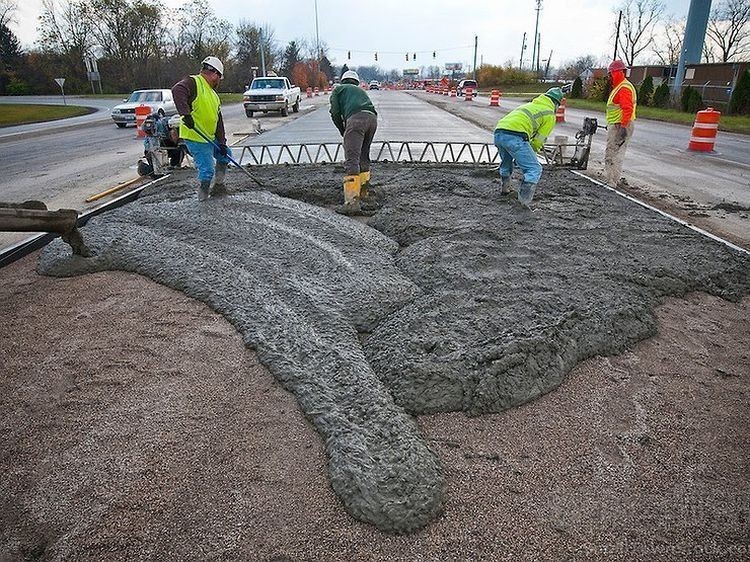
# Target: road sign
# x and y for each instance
(411, 71)
(60, 82)
(453, 66)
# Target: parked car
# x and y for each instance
(271, 93)
(160, 101)
(374, 85)
(463, 85)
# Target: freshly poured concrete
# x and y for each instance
(484, 306)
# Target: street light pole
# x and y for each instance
(536, 38)
(317, 41)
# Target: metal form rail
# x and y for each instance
(382, 151)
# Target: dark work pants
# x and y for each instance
(358, 135)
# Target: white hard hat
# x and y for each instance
(350, 75)
(213, 62)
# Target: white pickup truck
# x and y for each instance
(271, 93)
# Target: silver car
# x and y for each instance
(160, 101)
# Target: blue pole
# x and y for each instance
(692, 44)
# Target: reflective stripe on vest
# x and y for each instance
(614, 111)
(534, 120)
(205, 112)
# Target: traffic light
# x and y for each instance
(407, 57)
(376, 56)
(414, 56)
(349, 55)
(433, 54)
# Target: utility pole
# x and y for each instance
(546, 70)
(617, 35)
(538, 51)
(262, 56)
(476, 44)
(536, 38)
(523, 48)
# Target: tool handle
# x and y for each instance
(215, 145)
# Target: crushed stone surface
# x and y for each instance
(137, 426)
(470, 303)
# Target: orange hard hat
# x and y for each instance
(616, 65)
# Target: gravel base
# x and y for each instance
(137, 426)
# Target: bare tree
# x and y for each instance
(639, 20)
(201, 33)
(668, 45)
(7, 12)
(729, 30)
(65, 29)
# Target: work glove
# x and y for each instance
(188, 121)
(622, 134)
(223, 149)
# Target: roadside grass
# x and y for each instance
(23, 113)
(225, 98)
(729, 123)
(230, 98)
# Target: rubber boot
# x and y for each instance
(204, 189)
(352, 188)
(505, 185)
(526, 194)
(219, 174)
(364, 180)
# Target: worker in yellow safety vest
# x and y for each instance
(198, 103)
(520, 135)
(621, 109)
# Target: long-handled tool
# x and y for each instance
(216, 146)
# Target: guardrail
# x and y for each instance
(381, 151)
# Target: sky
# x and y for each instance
(568, 28)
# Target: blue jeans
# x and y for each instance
(512, 147)
(204, 155)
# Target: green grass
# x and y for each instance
(729, 123)
(22, 113)
(230, 98)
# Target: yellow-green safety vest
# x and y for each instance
(536, 119)
(614, 111)
(206, 107)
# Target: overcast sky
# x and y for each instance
(568, 28)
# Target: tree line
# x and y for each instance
(141, 44)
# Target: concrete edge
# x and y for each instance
(665, 214)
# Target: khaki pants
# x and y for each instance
(614, 155)
(360, 129)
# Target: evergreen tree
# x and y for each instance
(646, 91)
(691, 100)
(740, 102)
(291, 57)
(577, 90)
(661, 96)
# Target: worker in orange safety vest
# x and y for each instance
(621, 109)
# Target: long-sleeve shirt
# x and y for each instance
(346, 100)
(184, 92)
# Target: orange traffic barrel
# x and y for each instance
(446, 91)
(469, 94)
(453, 93)
(495, 98)
(309, 92)
(141, 112)
(317, 91)
(560, 112)
(705, 128)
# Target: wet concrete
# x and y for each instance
(462, 299)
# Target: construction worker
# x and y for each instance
(620, 116)
(520, 135)
(198, 103)
(356, 119)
